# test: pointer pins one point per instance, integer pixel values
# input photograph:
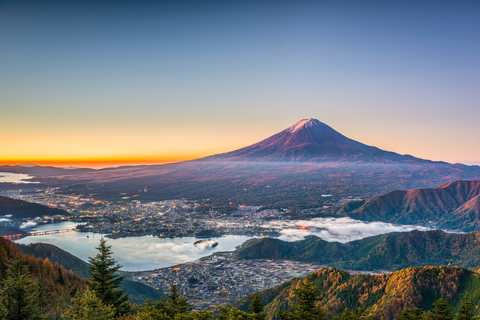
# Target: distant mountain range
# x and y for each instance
(291, 169)
(391, 251)
(36, 170)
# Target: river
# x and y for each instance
(133, 253)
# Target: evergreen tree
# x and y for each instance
(105, 282)
(195, 315)
(167, 309)
(442, 310)
(411, 314)
(19, 296)
(176, 303)
(152, 311)
(304, 307)
(466, 311)
(256, 308)
(349, 315)
(233, 314)
(87, 305)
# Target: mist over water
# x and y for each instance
(336, 229)
(133, 253)
(9, 177)
(148, 252)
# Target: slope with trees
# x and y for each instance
(390, 251)
(454, 205)
(379, 296)
(137, 291)
(33, 284)
(20, 209)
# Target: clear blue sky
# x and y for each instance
(173, 80)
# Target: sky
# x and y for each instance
(91, 82)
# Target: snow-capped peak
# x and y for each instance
(303, 123)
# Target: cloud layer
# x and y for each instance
(336, 229)
(28, 224)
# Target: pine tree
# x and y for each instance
(105, 282)
(19, 296)
(411, 314)
(467, 310)
(349, 315)
(304, 307)
(87, 305)
(442, 310)
(176, 303)
(256, 308)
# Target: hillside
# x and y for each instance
(454, 205)
(137, 291)
(21, 209)
(390, 251)
(384, 296)
(55, 281)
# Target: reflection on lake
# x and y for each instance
(134, 253)
(9, 177)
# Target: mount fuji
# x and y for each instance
(293, 168)
(313, 141)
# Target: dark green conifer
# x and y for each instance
(19, 295)
(176, 303)
(411, 314)
(87, 305)
(304, 308)
(105, 282)
(467, 310)
(256, 308)
(442, 310)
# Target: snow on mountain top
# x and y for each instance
(303, 123)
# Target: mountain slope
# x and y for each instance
(20, 209)
(56, 282)
(137, 291)
(454, 205)
(384, 296)
(390, 251)
(314, 141)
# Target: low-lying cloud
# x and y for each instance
(336, 229)
(28, 224)
(205, 244)
(5, 218)
(10, 177)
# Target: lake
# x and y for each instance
(148, 252)
(9, 177)
(133, 253)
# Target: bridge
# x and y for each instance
(37, 233)
(49, 232)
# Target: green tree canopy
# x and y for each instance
(19, 295)
(442, 310)
(305, 306)
(104, 280)
(87, 305)
(467, 309)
